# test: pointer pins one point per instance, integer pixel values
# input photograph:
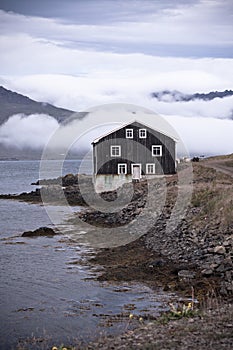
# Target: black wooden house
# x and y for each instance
(132, 152)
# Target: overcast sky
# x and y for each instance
(81, 53)
(191, 28)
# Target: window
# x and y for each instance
(129, 133)
(142, 133)
(122, 168)
(156, 151)
(115, 151)
(150, 168)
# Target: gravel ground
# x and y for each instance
(173, 263)
(212, 330)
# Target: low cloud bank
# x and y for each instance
(33, 131)
(204, 136)
(208, 136)
(78, 93)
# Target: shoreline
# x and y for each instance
(211, 329)
(198, 250)
(210, 278)
(134, 262)
(198, 255)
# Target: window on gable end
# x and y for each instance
(129, 133)
(142, 133)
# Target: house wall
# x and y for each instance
(110, 182)
(105, 183)
(136, 150)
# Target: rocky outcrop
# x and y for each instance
(120, 217)
(42, 231)
(33, 196)
(60, 191)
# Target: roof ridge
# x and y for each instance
(131, 122)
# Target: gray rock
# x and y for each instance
(224, 267)
(156, 263)
(187, 274)
(207, 272)
(219, 249)
(42, 231)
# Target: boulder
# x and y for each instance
(42, 231)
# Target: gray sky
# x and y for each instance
(195, 28)
(92, 11)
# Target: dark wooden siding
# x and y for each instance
(136, 150)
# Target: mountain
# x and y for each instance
(13, 103)
(177, 96)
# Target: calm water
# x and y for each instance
(46, 285)
(17, 176)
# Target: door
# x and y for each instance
(136, 171)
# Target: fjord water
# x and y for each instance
(47, 291)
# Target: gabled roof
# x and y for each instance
(130, 123)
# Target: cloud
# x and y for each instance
(33, 131)
(81, 93)
(206, 136)
(36, 131)
(83, 11)
(41, 131)
(217, 108)
(141, 27)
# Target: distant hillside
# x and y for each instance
(177, 96)
(13, 103)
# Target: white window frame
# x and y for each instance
(148, 165)
(119, 165)
(113, 151)
(154, 151)
(129, 133)
(144, 132)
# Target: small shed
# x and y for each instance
(130, 153)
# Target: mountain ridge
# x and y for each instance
(14, 103)
(177, 96)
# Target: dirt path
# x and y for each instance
(223, 165)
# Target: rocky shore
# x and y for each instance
(57, 191)
(198, 252)
(196, 256)
(199, 249)
(211, 329)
